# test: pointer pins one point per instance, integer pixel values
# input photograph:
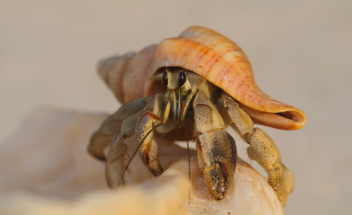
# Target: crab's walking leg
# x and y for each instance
(115, 161)
(148, 119)
(216, 148)
(103, 137)
(287, 183)
(268, 155)
(262, 146)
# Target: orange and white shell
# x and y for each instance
(210, 55)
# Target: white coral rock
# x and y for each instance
(45, 169)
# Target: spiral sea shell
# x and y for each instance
(212, 56)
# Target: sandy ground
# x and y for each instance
(300, 52)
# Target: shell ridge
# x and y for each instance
(206, 34)
(222, 62)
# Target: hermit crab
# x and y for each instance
(192, 87)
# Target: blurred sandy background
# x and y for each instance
(301, 53)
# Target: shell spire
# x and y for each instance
(126, 75)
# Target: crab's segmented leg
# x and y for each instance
(148, 119)
(216, 148)
(115, 161)
(131, 125)
(287, 183)
(103, 137)
(264, 148)
(268, 155)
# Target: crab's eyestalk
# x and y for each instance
(184, 83)
(181, 79)
(165, 79)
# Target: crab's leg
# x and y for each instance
(262, 146)
(103, 137)
(268, 155)
(216, 148)
(118, 149)
(148, 119)
(287, 183)
(131, 125)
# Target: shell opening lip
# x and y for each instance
(288, 115)
(290, 119)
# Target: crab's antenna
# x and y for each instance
(135, 152)
(189, 166)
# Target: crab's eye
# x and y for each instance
(181, 79)
(165, 81)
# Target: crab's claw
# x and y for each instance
(217, 158)
(217, 153)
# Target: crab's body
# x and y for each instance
(193, 87)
